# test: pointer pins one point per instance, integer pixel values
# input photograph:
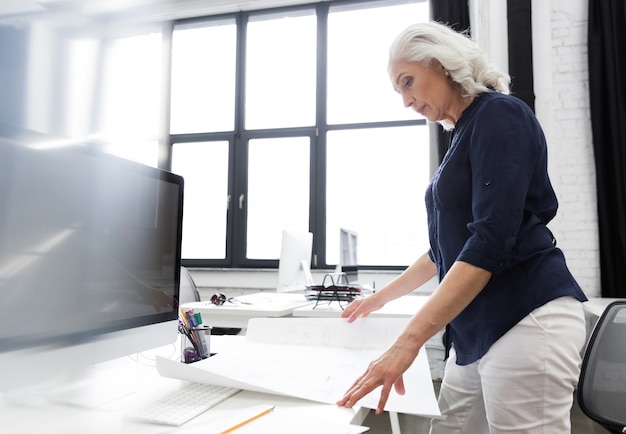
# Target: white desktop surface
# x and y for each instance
(22, 414)
(236, 312)
(403, 307)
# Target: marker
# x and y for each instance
(190, 319)
(239, 425)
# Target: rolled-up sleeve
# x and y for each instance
(503, 158)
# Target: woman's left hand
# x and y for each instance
(387, 371)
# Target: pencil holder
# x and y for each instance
(195, 344)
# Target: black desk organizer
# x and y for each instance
(335, 291)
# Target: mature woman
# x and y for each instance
(513, 312)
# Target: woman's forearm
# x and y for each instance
(460, 286)
(420, 272)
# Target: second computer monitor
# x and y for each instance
(348, 262)
(294, 269)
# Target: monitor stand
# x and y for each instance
(92, 388)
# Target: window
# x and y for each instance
(359, 89)
(278, 192)
(205, 165)
(280, 70)
(378, 194)
(277, 119)
(203, 89)
(286, 119)
(130, 120)
(376, 174)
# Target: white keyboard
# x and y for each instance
(183, 404)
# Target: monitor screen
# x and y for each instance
(348, 241)
(348, 262)
(89, 258)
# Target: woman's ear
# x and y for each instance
(438, 67)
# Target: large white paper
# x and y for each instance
(312, 358)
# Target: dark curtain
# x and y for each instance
(454, 13)
(607, 87)
(520, 42)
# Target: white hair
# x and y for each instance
(466, 63)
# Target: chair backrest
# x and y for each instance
(601, 389)
(188, 289)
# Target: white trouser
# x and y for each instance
(524, 383)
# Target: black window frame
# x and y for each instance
(236, 233)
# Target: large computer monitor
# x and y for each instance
(89, 260)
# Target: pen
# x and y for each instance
(239, 425)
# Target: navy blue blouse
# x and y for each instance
(488, 205)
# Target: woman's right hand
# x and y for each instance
(362, 307)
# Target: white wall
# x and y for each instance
(562, 106)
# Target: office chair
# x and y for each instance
(188, 289)
(601, 389)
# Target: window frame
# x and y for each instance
(236, 232)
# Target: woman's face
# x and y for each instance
(427, 90)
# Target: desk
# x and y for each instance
(594, 308)
(596, 305)
(239, 310)
(43, 417)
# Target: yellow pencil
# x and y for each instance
(239, 425)
(181, 314)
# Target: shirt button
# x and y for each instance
(487, 183)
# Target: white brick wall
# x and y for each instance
(562, 105)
